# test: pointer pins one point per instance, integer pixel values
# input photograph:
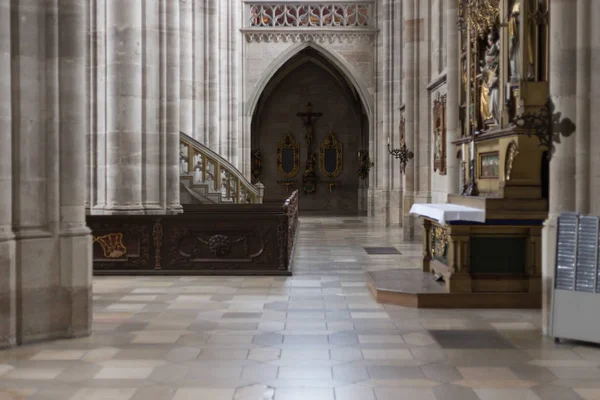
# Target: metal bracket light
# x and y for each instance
(403, 154)
(546, 125)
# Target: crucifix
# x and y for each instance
(308, 118)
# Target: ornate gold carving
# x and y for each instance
(439, 134)
(112, 245)
(439, 242)
(479, 16)
(288, 142)
(512, 151)
(331, 146)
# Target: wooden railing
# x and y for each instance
(206, 166)
(211, 239)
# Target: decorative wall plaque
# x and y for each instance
(489, 165)
(331, 162)
(288, 157)
(439, 134)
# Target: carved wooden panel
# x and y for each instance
(211, 239)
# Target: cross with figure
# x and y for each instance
(308, 118)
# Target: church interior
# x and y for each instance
(289, 200)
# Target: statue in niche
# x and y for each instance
(490, 112)
(514, 23)
(311, 160)
(513, 35)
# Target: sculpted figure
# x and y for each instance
(490, 112)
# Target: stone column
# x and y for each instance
(452, 99)
(594, 88)
(124, 107)
(75, 237)
(563, 66)
(384, 111)
(187, 111)
(582, 136)
(172, 115)
(7, 242)
(212, 61)
(411, 36)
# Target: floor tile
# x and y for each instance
(104, 394)
(381, 250)
(470, 339)
(204, 393)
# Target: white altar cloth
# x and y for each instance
(448, 212)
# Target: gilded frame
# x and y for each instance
(487, 171)
(288, 142)
(331, 142)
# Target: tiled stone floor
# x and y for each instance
(315, 336)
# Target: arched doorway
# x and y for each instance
(309, 77)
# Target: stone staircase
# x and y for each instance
(207, 178)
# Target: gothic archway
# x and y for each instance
(310, 77)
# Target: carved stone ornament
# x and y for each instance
(264, 36)
(512, 151)
(439, 134)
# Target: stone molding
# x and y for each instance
(294, 36)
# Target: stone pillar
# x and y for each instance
(384, 112)
(582, 136)
(452, 100)
(186, 108)
(410, 80)
(49, 127)
(124, 107)
(563, 66)
(75, 236)
(172, 115)
(594, 91)
(212, 61)
(7, 242)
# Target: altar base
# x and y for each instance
(416, 288)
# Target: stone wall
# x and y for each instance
(45, 246)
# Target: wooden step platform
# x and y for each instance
(415, 288)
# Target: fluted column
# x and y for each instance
(409, 63)
(384, 111)
(594, 91)
(186, 108)
(452, 101)
(75, 237)
(582, 138)
(124, 106)
(172, 114)
(7, 242)
(563, 89)
(212, 61)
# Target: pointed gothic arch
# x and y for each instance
(342, 65)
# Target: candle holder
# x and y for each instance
(364, 164)
(472, 188)
(547, 125)
(403, 154)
